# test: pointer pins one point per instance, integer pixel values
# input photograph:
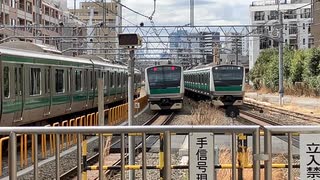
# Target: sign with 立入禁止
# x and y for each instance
(201, 151)
(309, 157)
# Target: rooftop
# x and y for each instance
(275, 2)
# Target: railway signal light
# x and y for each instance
(128, 40)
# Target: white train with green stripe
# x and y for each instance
(37, 86)
(164, 86)
(222, 84)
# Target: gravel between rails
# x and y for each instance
(281, 118)
(47, 171)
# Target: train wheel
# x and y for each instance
(232, 111)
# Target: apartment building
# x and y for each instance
(297, 26)
(103, 36)
(25, 14)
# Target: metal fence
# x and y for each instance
(167, 131)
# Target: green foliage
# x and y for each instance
(296, 68)
(299, 66)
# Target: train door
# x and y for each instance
(19, 92)
(47, 90)
(70, 88)
(86, 86)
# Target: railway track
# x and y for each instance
(157, 119)
(262, 121)
(282, 111)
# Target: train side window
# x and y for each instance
(91, 80)
(78, 80)
(112, 79)
(85, 79)
(18, 80)
(6, 80)
(104, 80)
(118, 79)
(35, 81)
(69, 81)
(47, 80)
(59, 81)
(124, 79)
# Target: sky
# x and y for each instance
(176, 12)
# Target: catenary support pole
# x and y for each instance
(101, 123)
(131, 112)
(281, 90)
(191, 12)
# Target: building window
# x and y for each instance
(264, 43)
(309, 28)
(306, 13)
(29, 7)
(35, 81)
(311, 43)
(304, 25)
(304, 41)
(259, 16)
(290, 14)
(293, 29)
(293, 44)
(273, 15)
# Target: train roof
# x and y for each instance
(34, 53)
(209, 66)
(164, 66)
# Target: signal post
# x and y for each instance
(130, 42)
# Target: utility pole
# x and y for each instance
(38, 5)
(74, 7)
(281, 90)
(191, 12)
(131, 111)
(237, 51)
(104, 12)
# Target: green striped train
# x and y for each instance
(164, 87)
(37, 86)
(222, 84)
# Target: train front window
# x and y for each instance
(227, 76)
(225, 73)
(164, 76)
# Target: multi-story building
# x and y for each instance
(316, 22)
(193, 48)
(104, 36)
(25, 15)
(73, 27)
(297, 26)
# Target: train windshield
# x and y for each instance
(164, 76)
(228, 75)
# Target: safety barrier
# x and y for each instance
(165, 153)
(239, 157)
(114, 116)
